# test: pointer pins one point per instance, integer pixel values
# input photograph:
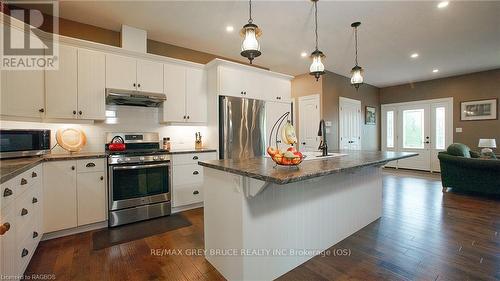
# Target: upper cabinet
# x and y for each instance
(186, 92)
(61, 85)
(128, 73)
(91, 84)
(22, 93)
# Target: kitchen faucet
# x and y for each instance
(323, 146)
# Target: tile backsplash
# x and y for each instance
(121, 119)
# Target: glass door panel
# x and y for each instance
(413, 128)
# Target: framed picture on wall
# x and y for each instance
(370, 115)
(479, 110)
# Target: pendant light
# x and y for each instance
(250, 48)
(356, 71)
(317, 68)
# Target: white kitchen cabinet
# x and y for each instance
(149, 76)
(186, 92)
(196, 95)
(121, 72)
(91, 194)
(274, 110)
(59, 192)
(91, 85)
(9, 255)
(61, 85)
(127, 73)
(22, 93)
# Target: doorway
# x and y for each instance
(423, 127)
(349, 124)
(309, 117)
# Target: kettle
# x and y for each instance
(117, 144)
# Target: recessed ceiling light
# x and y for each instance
(303, 54)
(229, 28)
(435, 70)
(443, 4)
(414, 55)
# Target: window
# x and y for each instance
(390, 129)
(413, 128)
(440, 128)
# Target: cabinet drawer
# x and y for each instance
(187, 194)
(187, 174)
(192, 158)
(90, 165)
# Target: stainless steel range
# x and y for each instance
(139, 179)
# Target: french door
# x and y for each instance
(423, 127)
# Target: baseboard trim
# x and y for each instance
(75, 230)
(187, 207)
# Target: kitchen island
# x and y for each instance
(262, 221)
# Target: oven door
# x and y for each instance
(134, 185)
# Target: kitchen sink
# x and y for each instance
(317, 155)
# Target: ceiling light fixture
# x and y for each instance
(250, 48)
(303, 54)
(317, 68)
(356, 71)
(443, 4)
(435, 70)
(414, 56)
(229, 28)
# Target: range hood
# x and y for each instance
(134, 98)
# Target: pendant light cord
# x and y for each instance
(316, 21)
(250, 20)
(356, 43)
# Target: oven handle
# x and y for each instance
(140, 166)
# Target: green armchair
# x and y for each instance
(463, 170)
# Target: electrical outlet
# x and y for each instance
(458, 130)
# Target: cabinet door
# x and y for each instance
(278, 89)
(174, 108)
(120, 72)
(22, 93)
(59, 193)
(9, 258)
(91, 194)
(149, 76)
(274, 110)
(196, 95)
(91, 85)
(61, 85)
(231, 82)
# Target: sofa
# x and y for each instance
(464, 170)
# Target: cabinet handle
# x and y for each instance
(188, 117)
(34, 200)
(24, 181)
(24, 212)
(102, 178)
(80, 112)
(4, 228)
(74, 111)
(139, 85)
(72, 168)
(278, 141)
(196, 192)
(134, 85)
(304, 143)
(196, 173)
(41, 110)
(7, 192)
(34, 175)
(90, 165)
(24, 253)
(195, 157)
(35, 234)
(184, 117)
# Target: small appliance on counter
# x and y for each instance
(23, 143)
(139, 178)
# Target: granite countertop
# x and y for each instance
(262, 168)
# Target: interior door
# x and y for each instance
(309, 117)
(415, 135)
(274, 110)
(349, 124)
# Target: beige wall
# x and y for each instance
(475, 86)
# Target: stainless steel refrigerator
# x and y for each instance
(242, 128)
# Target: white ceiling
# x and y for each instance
(462, 38)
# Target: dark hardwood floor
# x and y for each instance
(423, 235)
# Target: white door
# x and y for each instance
(414, 135)
(196, 95)
(61, 85)
(349, 124)
(309, 117)
(274, 110)
(389, 141)
(91, 194)
(174, 108)
(149, 76)
(91, 85)
(59, 194)
(121, 72)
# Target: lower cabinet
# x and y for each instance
(74, 192)
(188, 178)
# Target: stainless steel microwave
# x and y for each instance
(21, 143)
